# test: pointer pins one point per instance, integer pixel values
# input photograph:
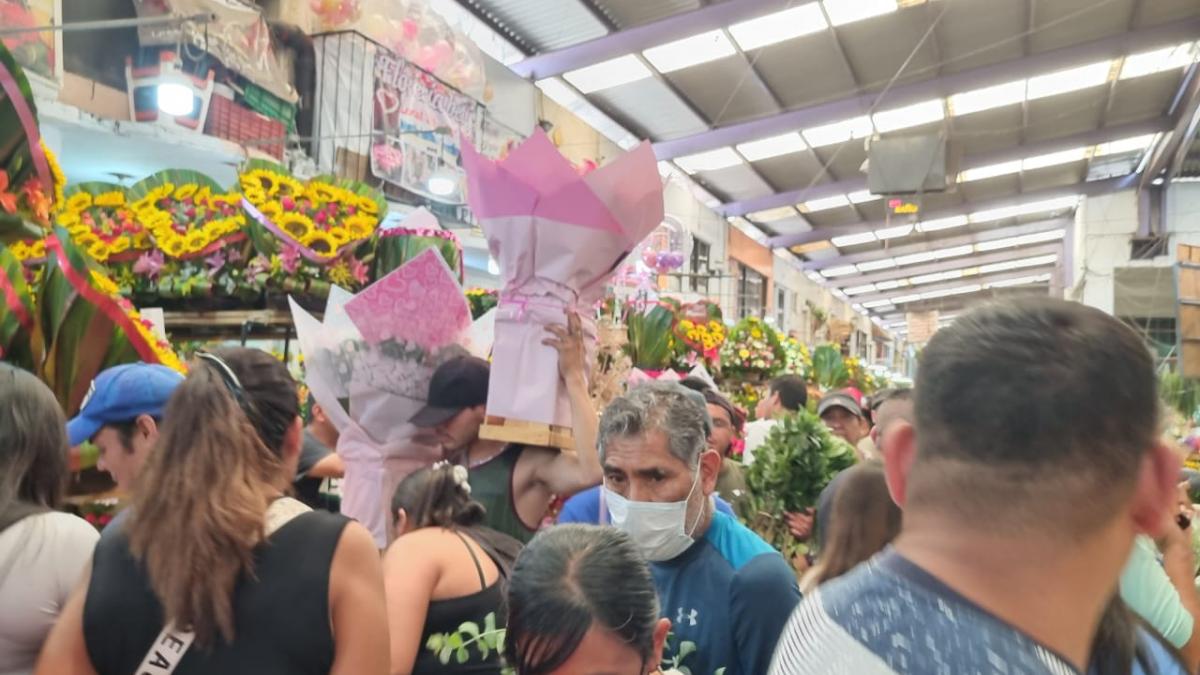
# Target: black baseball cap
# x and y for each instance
(458, 384)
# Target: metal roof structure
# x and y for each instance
(769, 105)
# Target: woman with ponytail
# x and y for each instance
(443, 570)
(217, 570)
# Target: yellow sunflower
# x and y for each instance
(141, 240)
(286, 186)
(113, 198)
(367, 205)
(271, 210)
(79, 202)
(259, 179)
(56, 172)
(120, 245)
(203, 196)
(104, 284)
(69, 220)
(99, 251)
(360, 226)
(297, 225)
(255, 195)
(161, 192)
(320, 243)
(322, 192)
(340, 236)
(197, 240)
(186, 190)
(174, 246)
(87, 239)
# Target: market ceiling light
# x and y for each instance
(771, 215)
(839, 132)
(878, 304)
(891, 284)
(1071, 79)
(608, 74)
(875, 265)
(853, 239)
(1020, 281)
(842, 12)
(1018, 264)
(990, 171)
(824, 204)
(559, 92)
(987, 98)
(776, 27)
(1055, 158)
(902, 299)
(175, 98)
(443, 182)
(774, 146)
(946, 292)
(908, 116)
(1022, 240)
(1045, 205)
(941, 224)
(937, 276)
(861, 197)
(712, 160)
(690, 51)
(859, 290)
(839, 271)
(894, 232)
(1160, 60)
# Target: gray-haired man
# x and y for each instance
(724, 589)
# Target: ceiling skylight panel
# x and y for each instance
(861, 197)
(1021, 240)
(779, 26)
(839, 132)
(842, 12)
(941, 223)
(894, 232)
(1054, 159)
(769, 215)
(839, 271)
(1159, 60)
(988, 98)
(1134, 144)
(875, 265)
(990, 171)
(712, 160)
(853, 239)
(608, 74)
(1072, 79)
(690, 51)
(774, 146)
(824, 204)
(908, 116)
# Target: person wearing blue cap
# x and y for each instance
(121, 415)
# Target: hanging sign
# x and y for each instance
(418, 124)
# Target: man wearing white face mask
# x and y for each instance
(724, 589)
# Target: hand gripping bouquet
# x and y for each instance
(558, 237)
(368, 364)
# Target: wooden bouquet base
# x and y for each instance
(527, 433)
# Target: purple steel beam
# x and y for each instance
(946, 242)
(638, 38)
(962, 262)
(938, 87)
(1087, 189)
(953, 283)
(1087, 138)
(1184, 109)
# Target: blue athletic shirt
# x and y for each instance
(890, 617)
(730, 595)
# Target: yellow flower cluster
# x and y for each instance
(60, 181)
(162, 349)
(319, 215)
(29, 250)
(709, 336)
(97, 239)
(189, 234)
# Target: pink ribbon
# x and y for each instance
(29, 122)
(306, 252)
(523, 302)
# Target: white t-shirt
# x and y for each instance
(41, 560)
(756, 434)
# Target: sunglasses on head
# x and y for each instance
(228, 377)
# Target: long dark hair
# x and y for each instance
(201, 498)
(33, 455)
(863, 521)
(433, 497)
(568, 579)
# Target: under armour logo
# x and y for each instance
(691, 617)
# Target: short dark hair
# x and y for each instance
(1032, 413)
(568, 579)
(890, 394)
(792, 390)
(695, 384)
(125, 431)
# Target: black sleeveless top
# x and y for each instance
(281, 617)
(446, 616)
(492, 486)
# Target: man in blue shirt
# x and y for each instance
(584, 508)
(1034, 463)
(725, 590)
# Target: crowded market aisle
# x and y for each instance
(422, 336)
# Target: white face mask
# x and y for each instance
(658, 529)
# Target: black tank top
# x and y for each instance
(282, 617)
(446, 616)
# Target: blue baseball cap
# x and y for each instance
(121, 394)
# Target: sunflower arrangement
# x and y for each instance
(753, 350)
(102, 223)
(187, 214)
(482, 300)
(324, 216)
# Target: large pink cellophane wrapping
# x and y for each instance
(368, 364)
(557, 237)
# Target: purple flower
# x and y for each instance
(215, 262)
(150, 264)
(290, 256)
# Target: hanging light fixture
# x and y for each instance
(175, 97)
(443, 182)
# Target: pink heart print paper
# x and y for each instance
(418, 303)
